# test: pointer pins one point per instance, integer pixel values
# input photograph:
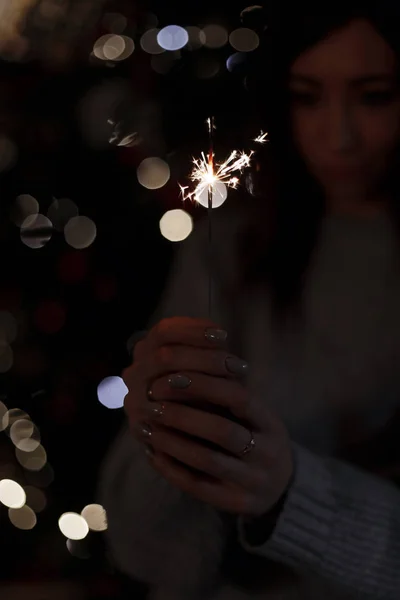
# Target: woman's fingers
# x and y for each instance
(219, 430)
(201, 333)
(194, 454)
(190, 386)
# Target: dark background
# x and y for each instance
(75, 309)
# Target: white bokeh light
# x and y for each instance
(73, 526)
(220, 194)
(80, 232)
(111, 392)
(12, 494)
(153, 173)
(176, 225)
(95, 516)
(172, 37)
(22, 518)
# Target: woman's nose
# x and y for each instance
(341, 130)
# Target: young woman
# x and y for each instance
(271, 431)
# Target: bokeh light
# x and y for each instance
(176, 225)
(61, 211)
(22, 518)
(172, 37)
(80, 232)
(49, 317)
(24, 206)
(36, 231)
(113, 47)
(12, 494)
(220, 194)
(216, 36)
(3, 416)
(244, 39)
(6, 357)
(162, 63)
(115, 22)
(32, 461)
(78, 549)
(197, 38)
(111, 392)
(35, 498)
(73, 526)
(95, 516)
(236, 62)
(13, 415)
(8, 153)
(8, 327)
(149, 42)
(25, 435)
(153, 173)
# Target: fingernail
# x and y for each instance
(142, 430)
(236, 365)
(216, 335)
(157, 410)
(179, 382)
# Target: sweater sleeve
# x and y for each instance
(151, 525)
(338, 522)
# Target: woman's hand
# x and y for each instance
(180, 365)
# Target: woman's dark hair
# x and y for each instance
(289, 205)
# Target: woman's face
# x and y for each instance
(345, 109)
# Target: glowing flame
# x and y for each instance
(206, 173)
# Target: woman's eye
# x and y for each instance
(378, 98)
(304, 98)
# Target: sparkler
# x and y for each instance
(207, 174)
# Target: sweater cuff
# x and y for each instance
(303, 528)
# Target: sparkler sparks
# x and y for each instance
(206, 173)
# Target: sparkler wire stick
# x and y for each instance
(206, 174)
(210, 208)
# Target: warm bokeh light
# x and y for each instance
(61, 211)
(149, 42)
(6, 357)
(35, 498)
(3, 416)
(8, 327)
(115, 22)
(12, 494)
(197, 38)
(23, 207)
(162, 63)
(219, 195)
(111, 392)
(78, 549)
(244, 39)
(8, 152)
(95, 516)
(153, 173)
(176, 225)
(36, 231)
(172, 37)
(32, 461)
(73, 526)
(113, 47)
(25, 435)
(80, 232)
(22, 518)
(216, 36)
(42, 478)
(13, 415)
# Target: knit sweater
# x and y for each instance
(334, 380)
